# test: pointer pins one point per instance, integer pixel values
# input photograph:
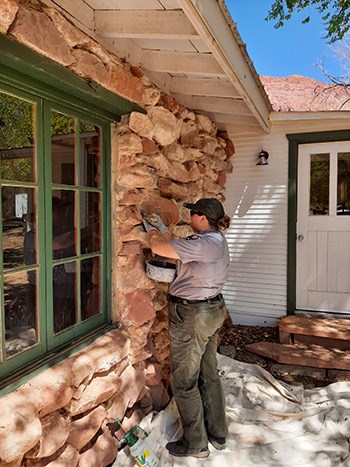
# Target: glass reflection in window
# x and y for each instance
(90, 288)
(343, 186)
(20, 300)
(16, 139)
(63, 224)
(64, 295)
(90, 221)
(18, 218)
(90, 159)
(63, 148)
(319, 185)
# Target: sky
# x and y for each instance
(294, 49)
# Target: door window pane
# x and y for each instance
(18, 206)
(20, 312)
(319, 185)
(63, 148)
(16, 139)
(343, 185)
(90, 155)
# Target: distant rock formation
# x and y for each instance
(300, 94)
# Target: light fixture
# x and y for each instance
(263, 156)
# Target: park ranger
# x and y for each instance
(196, 313)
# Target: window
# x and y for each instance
(54, 223)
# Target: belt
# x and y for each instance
(174, 299)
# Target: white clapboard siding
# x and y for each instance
(257, 237)
(257, 202)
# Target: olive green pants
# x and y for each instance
(195, 381)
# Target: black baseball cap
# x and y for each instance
(210, 207)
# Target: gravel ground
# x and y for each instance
(233, 340)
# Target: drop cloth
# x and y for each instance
(270, 424)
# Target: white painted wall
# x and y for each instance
(257, 201)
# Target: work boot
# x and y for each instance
(218, 443)
(178, 449)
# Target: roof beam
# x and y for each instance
(215, 104)
(214, 24)
(236, 119)
(203, 87)
(144, 24)
(177, 62)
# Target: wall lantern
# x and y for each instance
(263, 156)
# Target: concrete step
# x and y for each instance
(314, 356)
(328, 332)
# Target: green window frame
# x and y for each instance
(32, 78)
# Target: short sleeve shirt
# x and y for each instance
(203, 265)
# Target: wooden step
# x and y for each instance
(328, 332)
(304, 355)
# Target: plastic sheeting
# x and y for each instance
(270, 424)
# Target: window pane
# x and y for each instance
(20, 312)
(18, 214)
(64, 296)
(90, 155)
(63, 224)
(90, 221)
(343, 195)
(90, 288)
(16, 139)
(63, 148)
(319, 184)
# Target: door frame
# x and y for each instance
(293, 153)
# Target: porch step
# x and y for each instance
(315, 356)
(328, 332)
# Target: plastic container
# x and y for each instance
(161, 271)
(139, 449)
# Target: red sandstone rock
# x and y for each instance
(298, 93)
(141, 124)
(8, 13)
(140, 307)
(35, 30)
(85, 428)
(102, 453)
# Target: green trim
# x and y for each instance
(28, 75)
(19, 377)
(47, 78)
(294, 141)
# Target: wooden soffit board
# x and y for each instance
(191, 49)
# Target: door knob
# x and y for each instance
(300, 237)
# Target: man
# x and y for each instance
(196, 313)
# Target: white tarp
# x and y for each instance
(270, 424)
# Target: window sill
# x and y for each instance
(21, 376)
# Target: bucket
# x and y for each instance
(161, 271)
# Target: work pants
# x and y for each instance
(195, 381)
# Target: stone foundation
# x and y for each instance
(159, 160)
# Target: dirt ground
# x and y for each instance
(240, 336)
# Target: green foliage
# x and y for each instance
(335, 14)
(16, 122)
(16, 131)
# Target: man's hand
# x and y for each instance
(156, 221)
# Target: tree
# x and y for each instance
(335, 14)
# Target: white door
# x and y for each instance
(323, 227)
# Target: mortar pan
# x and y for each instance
(161, 271)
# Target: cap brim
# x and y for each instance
(190, 205)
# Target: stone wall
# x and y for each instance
(160, 158)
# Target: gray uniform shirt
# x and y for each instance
(203, 265)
